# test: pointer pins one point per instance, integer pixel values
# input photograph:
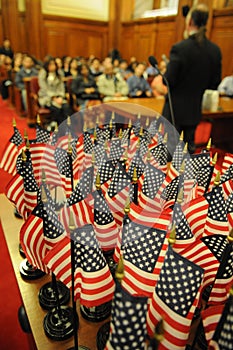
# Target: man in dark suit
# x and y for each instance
(194, 66)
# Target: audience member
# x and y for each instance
(5, 76)
(17, 61)
(59, 63)
(138, 85)
(123, 69)
(95, 67)
(52, 92)
(157, 85)
(66, 61)
(27, 70)
(6, 49)
(226, 86)
(194, 66)
(84, 87)
(73, 68)
(112, 86)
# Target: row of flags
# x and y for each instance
(169, 224)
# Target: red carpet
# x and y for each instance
(11, 334)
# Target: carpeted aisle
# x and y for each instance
(11, 334)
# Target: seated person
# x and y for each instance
(95, 67)
(5, 75)
(52, 92)
(157, 85)
(27, 70)
(226, 86)
(138, 85)
(112, 86)
(84, 87)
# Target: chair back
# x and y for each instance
(34, 85)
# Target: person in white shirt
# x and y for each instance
(226, 86)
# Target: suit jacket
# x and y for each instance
(192, 69)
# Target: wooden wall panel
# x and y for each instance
(142, 40)
(165, 37)
(127, 46)
(1, 28)
(74, 37)
(145, 40)
(222, 35)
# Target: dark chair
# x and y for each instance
(34, 109)
(25, 326)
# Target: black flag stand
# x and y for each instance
(101, 312)
(103, 332)
(74, 306)
(55, 291)
(75, 318)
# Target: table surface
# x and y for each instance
(29, 290)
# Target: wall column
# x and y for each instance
(34, 25)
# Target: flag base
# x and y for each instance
(21, 252)
(17, 214)
(102, 336)
(97, 313)
(59, 327)
(47, 296)
(28, 272)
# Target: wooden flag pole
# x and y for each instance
(74, 306)
(135, 186)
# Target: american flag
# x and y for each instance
(32, 239)
(152, 179)
(49, 166)
(206, 253)
(160, 152)
(203, 178)
(117, 193)
(195, 162)
(143, 149)
(137, 163)
(153, 127)
(94, 283)
(79, 207)
(196, 212)
(31, 188)
(53, 229)
(216, 220)
(128, 321)
(116, 150)
(133, 145)
(227, 162)
(64, 168)
(224, 277)
(143, 249)
(11, 152)
(178, 155)
(184, 235)
(227, 181)
(170, 193)
(100, 153)
(106, 171)
(42, 135)
(210, 319)
(78, 165)
(223, 335)
(174, 300)
(104, 223)
(229, 206)
(15, 193)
